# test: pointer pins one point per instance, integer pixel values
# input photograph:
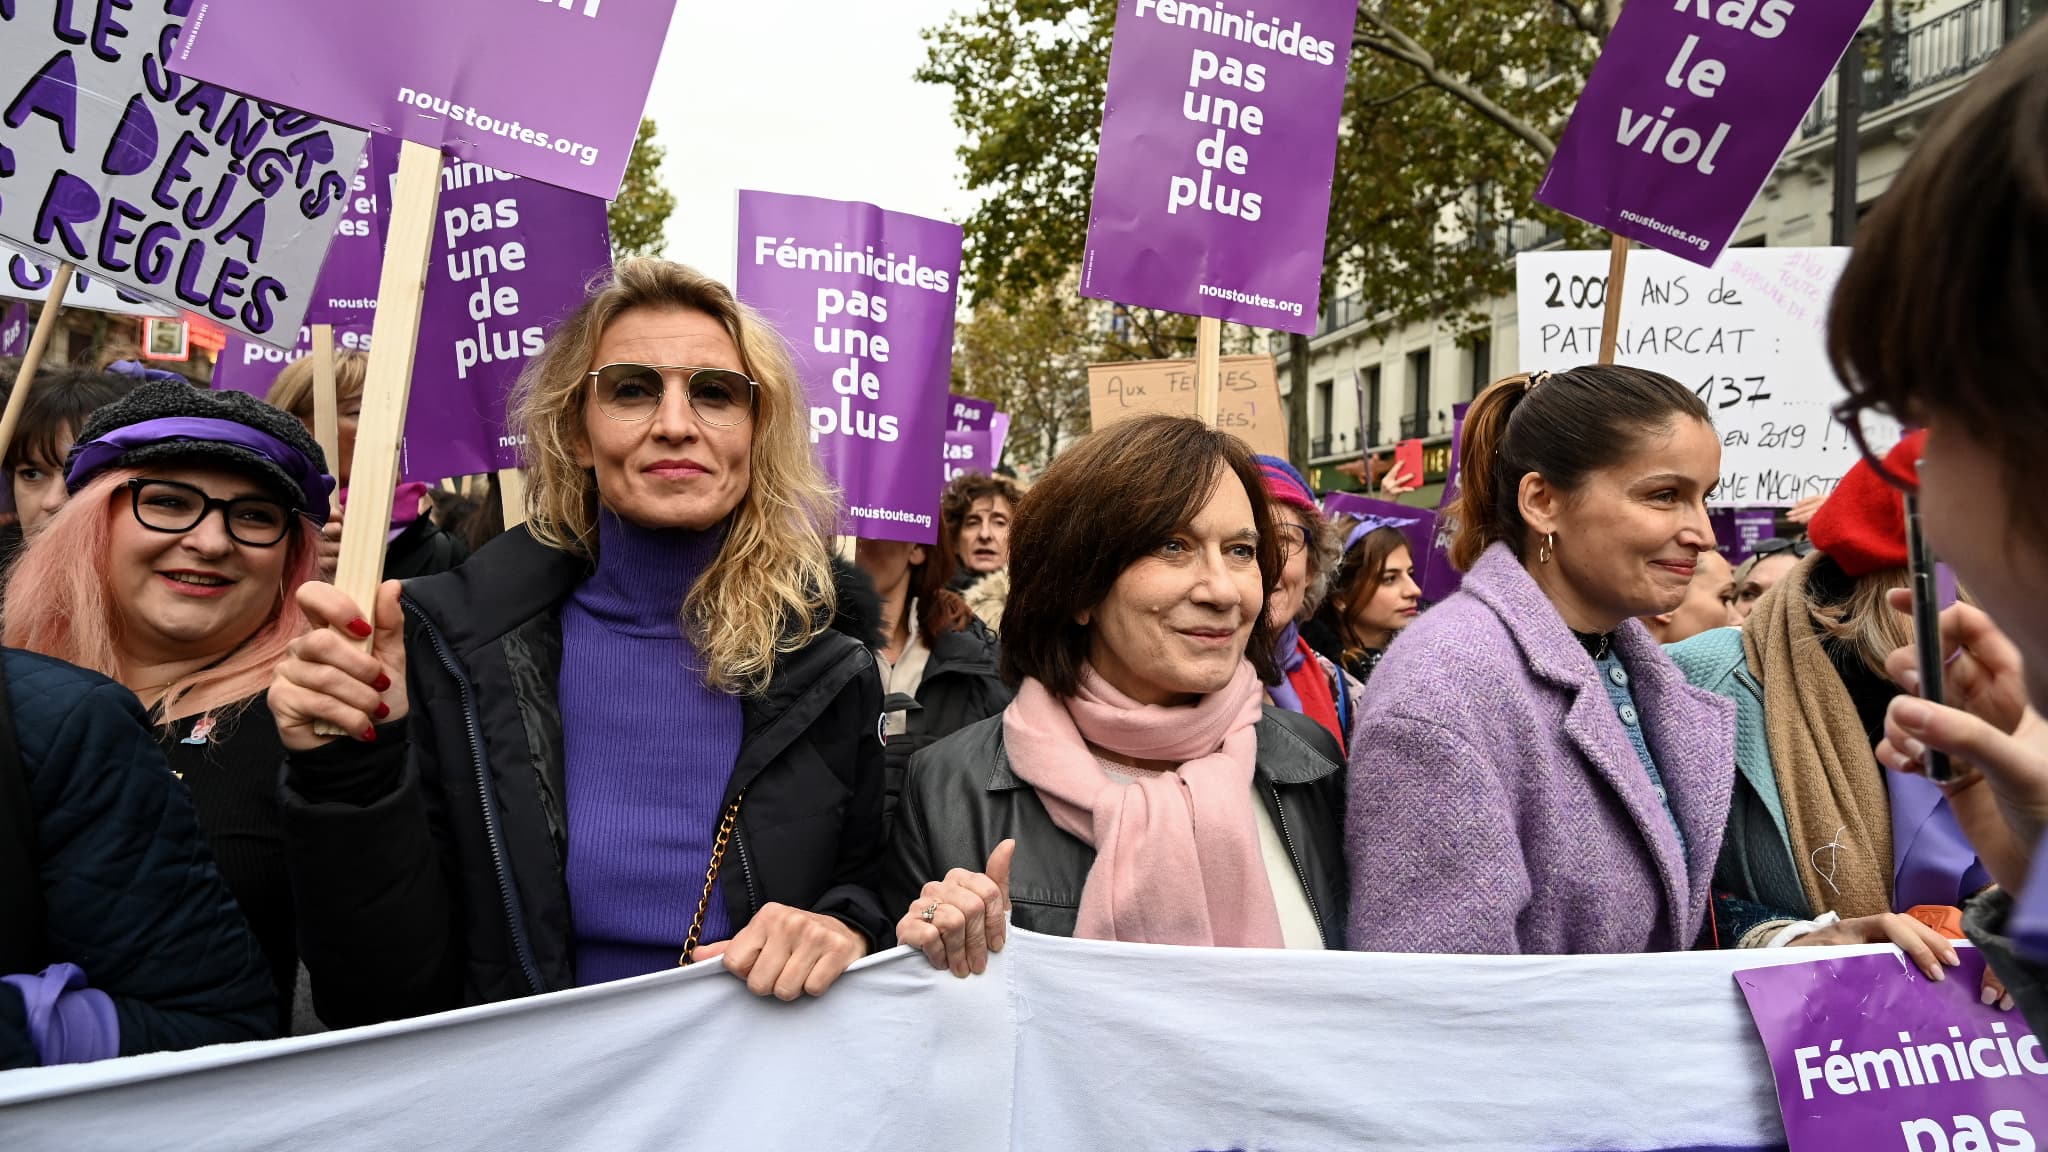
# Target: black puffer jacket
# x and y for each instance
(962, 798)
(962, 685)
(128, 891)
(430, 865)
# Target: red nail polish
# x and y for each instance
(382, 683)
(383, 710)
(369, 735)
(360, 628)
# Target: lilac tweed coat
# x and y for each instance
(1496, 803)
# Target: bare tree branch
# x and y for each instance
(1375, 34)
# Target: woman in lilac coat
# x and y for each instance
(1531, 774)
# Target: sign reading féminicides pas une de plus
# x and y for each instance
(1687, 112)
(1219, 140)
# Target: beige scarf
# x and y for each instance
(1836, 807)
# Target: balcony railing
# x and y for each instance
(1414, 424)
(1318, 447)
(1914, 59)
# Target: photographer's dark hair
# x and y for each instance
(1941, 306)
(1560, 425)
(1103, 506)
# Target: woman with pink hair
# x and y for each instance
(173, 569)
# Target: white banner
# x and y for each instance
(25, 276)
(1749, 336)
(1064, 1045)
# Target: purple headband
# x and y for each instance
(97, 455)
(1373, 523)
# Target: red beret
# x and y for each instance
(1863, 524)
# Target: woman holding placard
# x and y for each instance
(623, 735)
(1138, 788)
(1530, 773)
(194, 517)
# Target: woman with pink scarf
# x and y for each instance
(1138, 788)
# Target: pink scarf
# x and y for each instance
(1177, 857)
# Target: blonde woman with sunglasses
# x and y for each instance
(621, 737)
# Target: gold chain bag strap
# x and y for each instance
(718, 846)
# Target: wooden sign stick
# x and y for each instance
(1610, 320)
(387, 386)
(326, 407)
(46, 325)
(1208, 368)
(512, 495)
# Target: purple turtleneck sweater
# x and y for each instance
(648, 750)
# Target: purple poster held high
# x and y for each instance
(345, 295)
(552, 91)
(1868, 1054)
(1686, 114)
(510, 257)
(1219, 138)
(970, 414)
(14, 330)
(865, 299)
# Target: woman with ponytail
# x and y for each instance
(1530, 773)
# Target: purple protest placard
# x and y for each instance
(966, 450)
(969, 413)
(510, 258)
(1737, 530)
(553, 90)
(1869, 1054)
(345, 295)
(865, 299)
(1686, 114)
(1219, 138)
(14, 331)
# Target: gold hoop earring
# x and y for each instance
(1549, 545)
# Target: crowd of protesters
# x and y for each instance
(1161, 696)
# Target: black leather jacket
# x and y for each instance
(429, 865)
(961, 798)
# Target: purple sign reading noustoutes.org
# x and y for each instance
(865, 299)
(1869, 1054)
(552, 91)
(1687, 112)
(1219, 139)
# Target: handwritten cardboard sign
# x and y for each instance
(1749, 336)
(1249, 406)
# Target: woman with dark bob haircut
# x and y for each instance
(1136, 789)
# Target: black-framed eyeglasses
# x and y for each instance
(168, 506)
(1293, 538)
(1800, 548)
(1856, 417)
(630, 393)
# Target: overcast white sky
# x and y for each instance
(805, 96)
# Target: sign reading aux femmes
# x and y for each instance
(1748, 336)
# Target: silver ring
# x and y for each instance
(930, 910)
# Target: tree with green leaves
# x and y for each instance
(1029, 355)
(639, 215)
(1450, 115)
